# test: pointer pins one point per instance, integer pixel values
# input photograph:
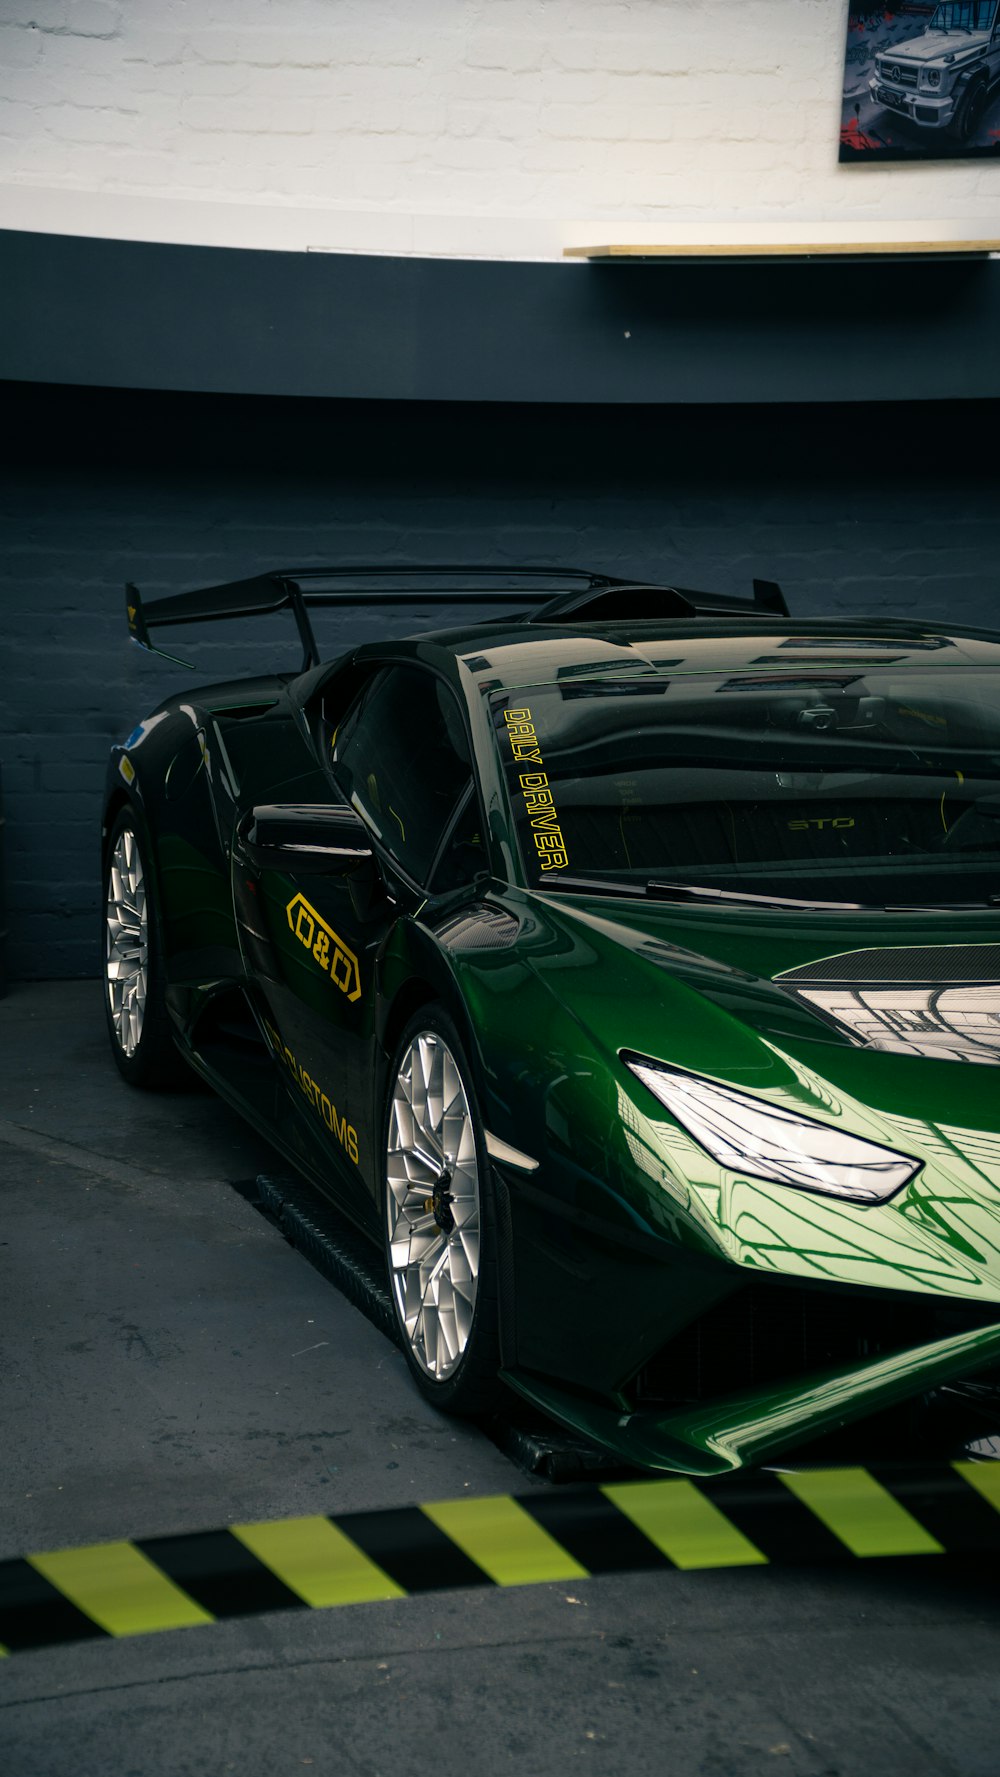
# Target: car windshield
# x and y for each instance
(851, 786)
(963, 15)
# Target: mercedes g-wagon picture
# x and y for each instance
(944, 78)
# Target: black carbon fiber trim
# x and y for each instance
(479, 928)
(928, 965)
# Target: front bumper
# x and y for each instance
(930, 110)
(713, 1437)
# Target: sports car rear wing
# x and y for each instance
(556, 595)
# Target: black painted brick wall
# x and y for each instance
(891, 509)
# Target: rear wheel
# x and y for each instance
(134, 978)
(439, 1219)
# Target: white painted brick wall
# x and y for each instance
(506, 126)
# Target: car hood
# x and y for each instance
(725, 995)
(920, 986)
(934, 46)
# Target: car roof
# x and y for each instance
(503, 656)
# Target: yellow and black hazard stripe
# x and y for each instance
(812, 1516)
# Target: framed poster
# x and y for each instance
(921, 81)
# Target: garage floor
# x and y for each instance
(171, 1364)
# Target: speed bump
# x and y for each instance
(141, 1585)
(863, 1513)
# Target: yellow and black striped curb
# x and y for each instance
(813, 1516)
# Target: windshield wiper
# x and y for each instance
(594, 885)
(991, 903)
(684, 891)
(713, 897)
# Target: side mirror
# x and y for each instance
(305, 838)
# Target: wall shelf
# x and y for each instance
(771, 251)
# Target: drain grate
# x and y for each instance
(350, 1262)
(327, 1240)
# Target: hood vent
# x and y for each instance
(938, 965)
(941, 1001)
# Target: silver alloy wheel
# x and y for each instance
(127, 947)
(432, 1205)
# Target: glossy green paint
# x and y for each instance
(718, 1436)
(628, 1231)
(630, 987)
(626, 1208)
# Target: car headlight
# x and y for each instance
(751, 1136)
(932, 77)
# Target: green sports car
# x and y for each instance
(627, 967)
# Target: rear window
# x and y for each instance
(849, 785)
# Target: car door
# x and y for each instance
(400, 758)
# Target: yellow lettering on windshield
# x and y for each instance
(538, 800)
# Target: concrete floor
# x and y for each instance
(171, 1364)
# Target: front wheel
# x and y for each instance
(970, 114)
(439, 1219)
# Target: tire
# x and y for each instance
(139, 1026)
(970, 113)
(439, 1220)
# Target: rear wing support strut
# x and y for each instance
(240, 598)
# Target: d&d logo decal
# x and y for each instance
(323, 944)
